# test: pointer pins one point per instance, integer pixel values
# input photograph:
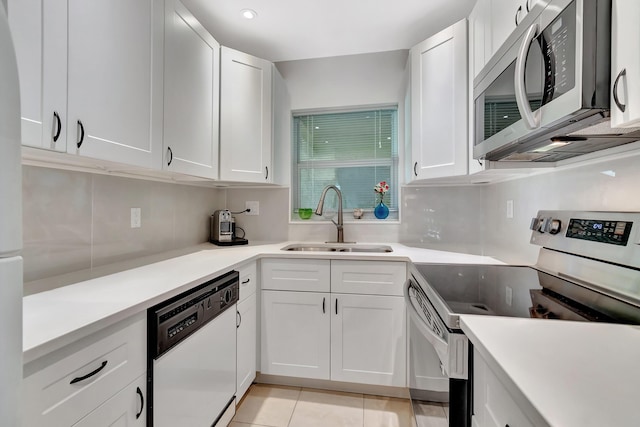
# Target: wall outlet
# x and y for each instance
(136, 217)
(509, 208)
(254, 206)
(508, 296)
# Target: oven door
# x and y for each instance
(450, 346)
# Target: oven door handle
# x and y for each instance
(426, 329)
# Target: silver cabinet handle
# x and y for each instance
(620, 106)
(266, 172)
(244, 282)
(531, 119)
(518, 12)
(336, 305)
(238, 319)
(323, 300)
(415, 166)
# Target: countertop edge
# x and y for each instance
(36, 348)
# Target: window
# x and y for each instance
(352, 150)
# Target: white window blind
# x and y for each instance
(351, 150)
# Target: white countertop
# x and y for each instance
(58, 317)
(573, 374)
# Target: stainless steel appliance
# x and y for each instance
(588, 269)
(223, 229)
(544, 96)
(192, 355)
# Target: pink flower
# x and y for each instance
(381, 187)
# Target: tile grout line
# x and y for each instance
(295, 406)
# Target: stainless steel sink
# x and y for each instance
(320, 247)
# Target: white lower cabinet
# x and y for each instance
(246, 345)
(345, 337)
(493, 405)
(62, 388)
(127, 408)
(295, 334)
(367, 339)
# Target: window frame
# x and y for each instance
(393, 163)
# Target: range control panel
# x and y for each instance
(611, 232)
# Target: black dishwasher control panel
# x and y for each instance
(175, 319)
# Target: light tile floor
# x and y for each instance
(279, 406)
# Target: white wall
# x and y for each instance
(609, 185)
(344, 81)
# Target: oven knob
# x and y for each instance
(554, 226)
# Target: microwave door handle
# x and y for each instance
(438, 343)
(531, 119)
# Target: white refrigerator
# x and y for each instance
(10, 232)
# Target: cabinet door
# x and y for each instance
(246, 341)
(295, 334)
(115, 80)
(39, 29)
(191, 94)
(439, 104)
(625, 64)
(127, 408)
(245, 117)
(504, 14)
(492, 402)
(479, 38)
(368, 339)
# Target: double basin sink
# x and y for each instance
(337, 247)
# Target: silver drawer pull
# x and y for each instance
(89, 375)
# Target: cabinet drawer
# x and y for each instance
(65, 386)
(127, 407)
(368, 277)
(248, 280)
(308, 275)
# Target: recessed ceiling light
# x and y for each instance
(248, 13)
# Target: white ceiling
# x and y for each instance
(299, 29)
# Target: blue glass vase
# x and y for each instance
(381, 211)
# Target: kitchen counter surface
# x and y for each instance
(58, 317)
(562, 373)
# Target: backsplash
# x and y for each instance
(76, 221)
(610, 185)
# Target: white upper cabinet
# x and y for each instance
(245, 118)
(479, 37)
(115, 80)
(41, 50)
(191, 94)
(625, 64)
(439, 104)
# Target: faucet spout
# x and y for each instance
(339, 225)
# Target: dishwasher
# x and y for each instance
(191, 352)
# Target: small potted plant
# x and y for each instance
(381, 211)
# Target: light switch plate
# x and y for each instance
(509, 208)
(136, 217)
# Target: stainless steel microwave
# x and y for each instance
(545, 94)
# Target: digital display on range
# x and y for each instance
(603, 231)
